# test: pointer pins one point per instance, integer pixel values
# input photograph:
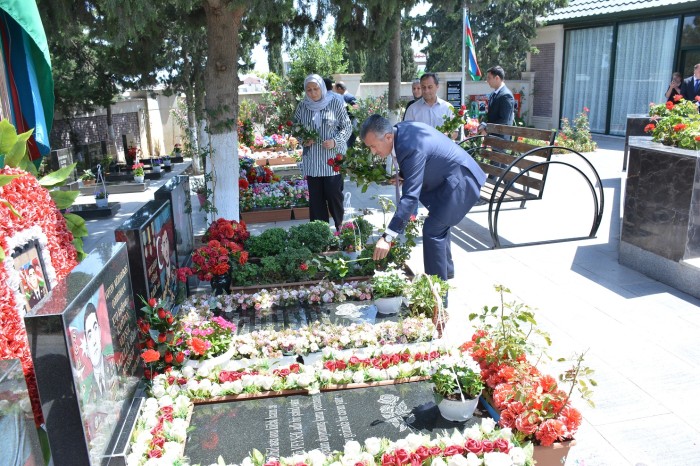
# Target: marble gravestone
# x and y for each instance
(177, 191)
(83, 343)
(149, 235)
(19, 441)
(284, 426)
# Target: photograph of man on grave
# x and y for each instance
(158, 241)
(92, 359)
(32, 282)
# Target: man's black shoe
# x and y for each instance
(450, 276)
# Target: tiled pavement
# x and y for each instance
(640, 336)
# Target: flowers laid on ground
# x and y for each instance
(206, 338)
(137, 169)
(675, 123)
(577, 137)
(278, 195)
(530, 402)
(160, 347)
(458, 378)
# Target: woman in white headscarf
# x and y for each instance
(327, 116)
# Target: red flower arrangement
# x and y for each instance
(214, 259)
(32, 206)
(336, 162)
(163, 352)
(530, 403)
(226, 231)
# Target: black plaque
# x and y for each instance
(454, 93)
(62, 158)
(83, 343)
(286, 426)
(177, 191)
(19, 442)
(150, 238)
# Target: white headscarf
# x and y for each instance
(317, 105)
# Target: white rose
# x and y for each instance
(150, 422)
(248, 380)
(438, 462)
(237, 387)
(504, 432)
(392, 372)
(415, 441)
(487, 425)
(181, 402)
(188, 372)
(327, 352)
(497, 459)
(192, 385)
(458, 460)
(358, 377)
(139, 449)
(517, 455)
(326, 375)
(247, 462)
(173, 391)
(316, 457)
(338, 377)
(205, 385)
(171, 452)
(353, 448)
(203, 372)
(373, 445)
(304, 380)
(266, 382)
(144, 437)
(133, 459)
(151, 405)
(313, 348)
(375, 374)
(473, 460)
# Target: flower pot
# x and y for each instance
(88, 182)
(156, 169)
(457, 410)
(553, 455)
(167, 163)
(138, 178)
(221, 284)
(388, 306)
(102, 203)
(210, 363)
(300, 213)
(264, 216)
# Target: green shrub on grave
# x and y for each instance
(268, 243)
(271, 270)
(291, 261)
(247, 275)
(314, 235)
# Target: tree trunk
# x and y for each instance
(221, 102)
(395, 69)
(112, 140)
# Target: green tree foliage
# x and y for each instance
(310, 56)
(375, 61)
(502, 32)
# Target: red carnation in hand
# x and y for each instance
(336, 168)
(152, 302)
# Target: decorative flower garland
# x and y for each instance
(36, 209)
(160, 432)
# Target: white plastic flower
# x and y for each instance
(497, 459)
(373, 445)
(487, 425)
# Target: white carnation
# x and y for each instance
(188, 372)
(487, 425)
(353, 448)
(373, 445)
(517, 455)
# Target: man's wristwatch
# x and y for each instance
(387, 237)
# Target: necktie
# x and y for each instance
(697, 85)
(493, 96)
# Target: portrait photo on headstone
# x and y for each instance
(32, 276)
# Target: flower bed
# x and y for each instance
(278, 195)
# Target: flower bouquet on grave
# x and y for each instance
(206, 337)
(160, 349)
(304, 134)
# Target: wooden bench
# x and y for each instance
(517, 170)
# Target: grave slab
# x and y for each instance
(285, 426)
(91, 211)
(83, 342)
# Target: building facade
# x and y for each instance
(612, 57)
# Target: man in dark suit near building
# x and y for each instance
(690, 88)
(501, 101)
(436, 172)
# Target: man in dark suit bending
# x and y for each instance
(690, 88)
(435, 171)
(501, 101)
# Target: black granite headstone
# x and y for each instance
(177, 191)
(285, 426)
(62, 158)
(83, 342)
(150, 238)
(19, 441)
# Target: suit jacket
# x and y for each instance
(501, 106)
(431, 166)
(688, 89)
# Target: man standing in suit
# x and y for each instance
(435, 171)
(691, 86)
(501, 101)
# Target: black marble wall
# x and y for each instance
(658, 199)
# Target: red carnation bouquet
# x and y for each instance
(336, 162)
(227, 231)
(532, 404)
(160, 348)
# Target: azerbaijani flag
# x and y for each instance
(29, 81)
(474, 70)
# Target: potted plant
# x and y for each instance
(101, 198)
(138, 172)
(208, 340)
(457, 385)
(177, 150)
(87, 178)
(388, 290)
(155, 163)
(167, 163)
